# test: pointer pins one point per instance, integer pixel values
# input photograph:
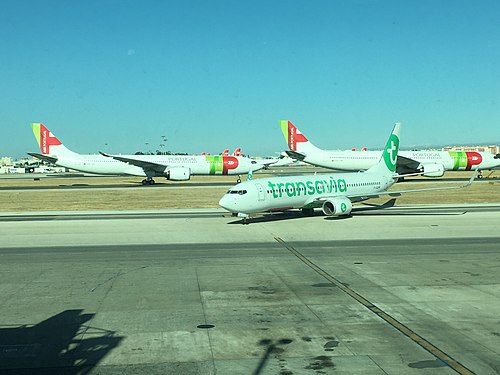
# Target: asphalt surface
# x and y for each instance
(190, 292)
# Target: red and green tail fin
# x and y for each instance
(48, 142)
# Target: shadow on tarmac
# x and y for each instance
(61, 344)
(366, 210)
(272, 348)
(287, 215)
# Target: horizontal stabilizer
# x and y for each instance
(50, 159)
(471, 180)
(295, 155)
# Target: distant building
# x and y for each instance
(490, 149)
(6, 161)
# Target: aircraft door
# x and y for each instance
(260, 191)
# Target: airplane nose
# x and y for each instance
(224, 202)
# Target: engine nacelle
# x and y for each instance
(337, 206)
(432, 170)
(178, 174)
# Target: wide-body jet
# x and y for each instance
(430, 163)
(172, 167)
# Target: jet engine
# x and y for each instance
(337, 206)
(178, 174)
(432, 170)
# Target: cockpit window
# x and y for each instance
(497, 156)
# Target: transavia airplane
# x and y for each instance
(431, 163)
(335, 193)
(172, 167)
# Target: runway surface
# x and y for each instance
(75, 181)
(196, 292)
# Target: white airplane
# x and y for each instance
(431, 163)
(172, 167)
(335, 193)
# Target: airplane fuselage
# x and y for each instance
(198, 165)
(283, 193)
(363, 160)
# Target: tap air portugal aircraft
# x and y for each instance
(335, 193)
(172, 167)
(430, 163)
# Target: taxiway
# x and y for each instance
(195, 292)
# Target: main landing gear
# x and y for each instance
(308, 211)
(148, 181)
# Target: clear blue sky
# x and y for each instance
(211, 75)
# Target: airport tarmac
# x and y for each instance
(405, 290)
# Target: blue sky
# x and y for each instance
(209, 75)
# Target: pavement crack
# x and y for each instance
(115, 276)
(205, 321)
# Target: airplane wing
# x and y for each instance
(276, 161)
(146, 165)
(407, 163)
(50, 159)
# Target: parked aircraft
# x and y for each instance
(431, 163)
(172, 167)
(335, 193)
(236, 152)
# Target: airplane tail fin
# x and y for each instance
(237, 152)
(296, 141)
(388, 160)
(48, 142)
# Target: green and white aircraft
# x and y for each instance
(335, 193)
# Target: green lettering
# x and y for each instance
(342, 185)
(299, 186)
(319, 187)
(280, 187)
(272, 186)
(310, 188)
(290, 189)
(328, 186)
(334, 185)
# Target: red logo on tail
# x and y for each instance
(294, 136)
(47, 140)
